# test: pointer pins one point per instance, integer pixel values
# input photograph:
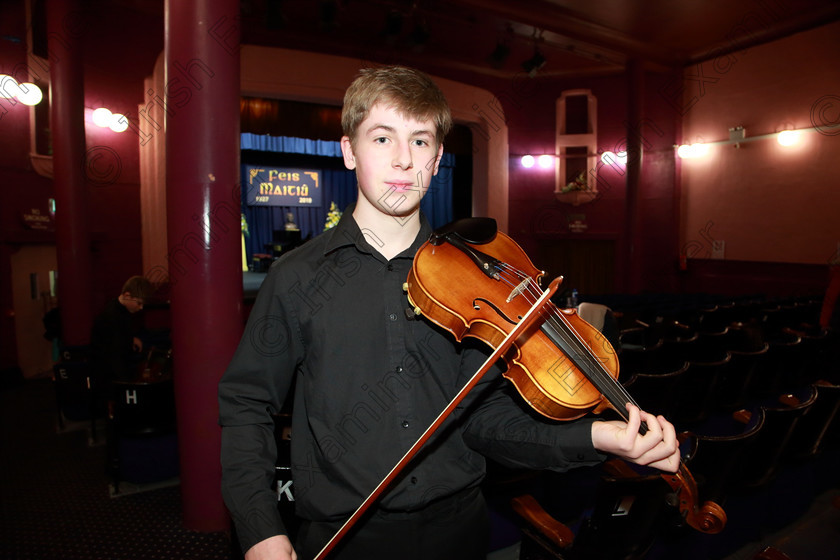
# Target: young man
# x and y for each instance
(370, 378)
(113, 343)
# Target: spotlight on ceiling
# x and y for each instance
(499, 55)
(328, 14)
(533, 64)
(419, 36)
(393, 24)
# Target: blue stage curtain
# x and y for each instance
(339, 187)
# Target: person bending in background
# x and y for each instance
(114, 346)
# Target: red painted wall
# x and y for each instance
(767, 202)
(775, 208)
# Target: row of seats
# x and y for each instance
(139, 415)
(688, 372)
(764, 472)
(689, 389)
(710, 311)
(753, 390)
(757, 443)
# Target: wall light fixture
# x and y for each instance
(542, 161)
(789, 137)
(737, 136)
(106, 119)
(25, 92)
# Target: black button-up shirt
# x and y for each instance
(370, 377)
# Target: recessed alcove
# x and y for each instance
(576, 146)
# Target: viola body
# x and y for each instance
(452, 292)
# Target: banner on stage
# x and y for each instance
(283, 186)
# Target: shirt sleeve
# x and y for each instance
(501, 427)
(251, 391)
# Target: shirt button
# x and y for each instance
(398, 369)
(405, 424)
(414, 480)
(390, 267)
(393, 316)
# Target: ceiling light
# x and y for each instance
(393, 24)
(328, 14)
(420, 35)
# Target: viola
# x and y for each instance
(563, 367)
(473, 280)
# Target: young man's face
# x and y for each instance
(395, 159)
(133, 304)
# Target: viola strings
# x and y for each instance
(575, 347)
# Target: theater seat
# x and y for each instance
(655, 392)
(76, 396)
(697, 391)
(766, 453)
(629, 513)
(817, 425)
(715, 459)
(142, 438)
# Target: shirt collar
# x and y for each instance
(347, 233)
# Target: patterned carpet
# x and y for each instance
(55, 499)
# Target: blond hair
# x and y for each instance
(411, 92)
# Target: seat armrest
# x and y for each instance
(533, 513)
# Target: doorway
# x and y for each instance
(33, 294)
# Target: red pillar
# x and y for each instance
(203, 223)
(67, 127)
(633, 236)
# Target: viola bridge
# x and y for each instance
(521, 287)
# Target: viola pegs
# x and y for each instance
(405, 286)
(412, 313)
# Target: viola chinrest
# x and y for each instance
(477, 231)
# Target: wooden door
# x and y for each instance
(587, 265)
